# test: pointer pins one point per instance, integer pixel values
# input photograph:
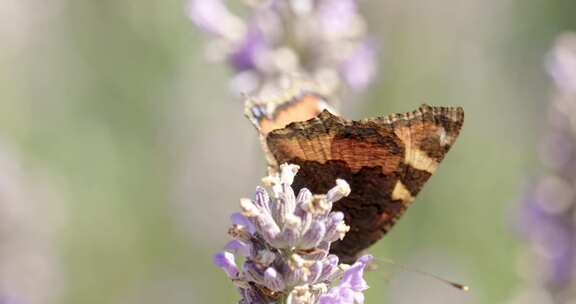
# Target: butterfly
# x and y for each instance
(385, 160)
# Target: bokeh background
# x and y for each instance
(123, 152)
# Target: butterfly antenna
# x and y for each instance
(441, 279)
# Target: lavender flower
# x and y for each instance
(285, 240)
(549, 208)
(351, 286)
(562, 64)
(322, 41)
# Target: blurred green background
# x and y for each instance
(115, 104)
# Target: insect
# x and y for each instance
(385, 160)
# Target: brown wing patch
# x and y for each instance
(329, 137)
(385, 160)
(271, 114)
(428, 134)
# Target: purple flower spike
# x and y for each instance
(286, 256)
(318, 41)
(546, 217)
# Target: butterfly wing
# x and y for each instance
(272, 114)
(385, 160)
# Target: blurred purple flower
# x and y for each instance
(552, 238)
(561, 63)
(214, 17)
(284, 240)
(337, 17)
(548, 210)
(244, 57)
(321, 41)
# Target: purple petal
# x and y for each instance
(351, 286)
(262, 199)
(294, 275)
(315, 272)
(313, 236)
(238, 246)
(273, 280)
(338, 295)
(353, 276)
(329, 298)
(226, 261)
(270, 231)
(329, 268)
(336, 228)
(346, 295)
(287, 206)
(291, 231)
(304, 197)
(240, 220)
(262, 220)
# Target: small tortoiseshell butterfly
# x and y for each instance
(386, 160)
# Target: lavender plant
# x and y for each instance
(549, 208)
(284, 240)
(323, 41)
